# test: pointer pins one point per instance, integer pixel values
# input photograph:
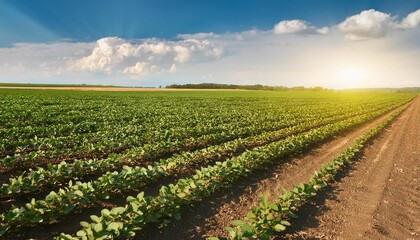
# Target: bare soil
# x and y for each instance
(212, 215)
(379, 198)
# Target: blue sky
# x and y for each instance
(158, 42)
(86, 20)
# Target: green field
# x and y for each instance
(65, 151)
(50, 85)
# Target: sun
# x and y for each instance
(351, 76)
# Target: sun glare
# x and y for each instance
(351, 76)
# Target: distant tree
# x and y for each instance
(244, 87)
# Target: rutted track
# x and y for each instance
(71, 194)
(266, 110)
(211, 216)
(379, 198)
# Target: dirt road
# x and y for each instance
(210, 216)
(379, 198)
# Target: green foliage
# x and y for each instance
(267, 219)
(110, 134)
(270, 218)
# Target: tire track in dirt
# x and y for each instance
(379, 198)
(70, 223)
(210, 216)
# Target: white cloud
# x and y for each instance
(297, 27)
(138, 69)
(201, 35)
(276, 56)
(40, 60)
(111, 54)
(230, 36)
(108, 51)
(323, 31)
(15, 68)
(172, 69)
(411, 21)
(182, 54)
(370, 24)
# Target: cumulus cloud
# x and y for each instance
(367, 24)
(112, 53)
(107, 52)
(278, 55)
(371, 24)
(40, 59)
(138, 69)
(297, 27)
(411, 21)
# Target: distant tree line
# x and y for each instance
(409, 89)
(244, 87)
(386, 90)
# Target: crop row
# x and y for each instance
(131, 120)
(197, 136)
(128, 126)
(119, 135)
(140, 210)
(55, 174)
(117, 129)
(57, 204)
(270, 218)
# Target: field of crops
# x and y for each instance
(95, 157)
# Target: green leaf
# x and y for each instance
(84, 224)
(97, 227)
(114, 226)
(279, 228)
(134, 206)
(131, 199)
(181, 195)
(68, 209)
(3, 230)
(285, 223)
(238, 223)
(250, 215)
(292, 215)
(117, 211)
(274, 206)
(264, 200)
(105, 212)
(78, 193)
(248, 228)
(81, 233)
(95, 218)
(140, 195)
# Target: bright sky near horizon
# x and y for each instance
(329, 43)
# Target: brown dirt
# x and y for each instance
(380, 198)
(213, 214)
(210, 216)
